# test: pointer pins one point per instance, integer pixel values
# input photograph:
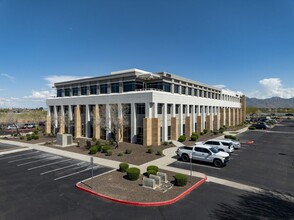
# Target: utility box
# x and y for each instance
(64, 140)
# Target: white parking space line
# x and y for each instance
(27, 158)
(72, 174)
(61, 168)
(20, 155)
(48, 164)
(35, 161)
(200, 165)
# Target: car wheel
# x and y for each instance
(217, 163)
(185, 158)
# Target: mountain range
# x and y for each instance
(274, 102)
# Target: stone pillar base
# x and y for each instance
(155, 132)
(147, 128)
(174, 128)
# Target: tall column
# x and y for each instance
(61, 120)
(48, 121)
(164, 122)
(55, 116)
(228, 120)
(204, 109)
(119, 135)
(174, 124)
(133, 123)
(181, 119)
(70, 120)
(96, 122)
(199, 120)
(77, 120)
(232, 117)
(193, 119)
(108, 121)
(88, 121)
(243, 108)
(222, 116)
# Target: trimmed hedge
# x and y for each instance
(133, 173)
(180, 179)
(93, 150)
(194, 136)
(105, 148)
(153, 172)
(159, 153)
(182, 138)
(123, 167)
(152, 167)
(232, 137)
(149, 150)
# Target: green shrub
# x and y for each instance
(150, 150)
(99, 148)
(215, 132)
(165, 143)
(153, 172)
(133, 173)
(252, 128)
(93, 150)
(21, 137)
(105, 148)
(93, 139)
(180, 179)
(194, 136)
(152, 167)
(120, 154)
(170, 142)
(109, 153)
(35, 137)
(98, 143)
(128, 151)
(28, 135)
(159, 153)
(29, 138)
(201, 133)
(182, 138)
(36, 132)
(232, 137)
(205, 131)
(123, 167)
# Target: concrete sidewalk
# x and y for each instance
(163, 162)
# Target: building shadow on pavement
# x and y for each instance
(263, 205)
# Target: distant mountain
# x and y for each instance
(274, 102)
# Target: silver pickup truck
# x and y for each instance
(203, 153)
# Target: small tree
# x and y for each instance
(116, 118)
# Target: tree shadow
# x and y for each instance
(264, 205)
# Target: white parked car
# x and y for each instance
(203, 153)
(236, 144)
(12, 127)
(220, 145)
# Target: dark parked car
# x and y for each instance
(260, 126)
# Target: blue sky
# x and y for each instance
(242, 45)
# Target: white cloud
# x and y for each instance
(39, 95)
(7, 76)
(220, 86)
(272, 87)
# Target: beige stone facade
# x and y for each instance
(188, 126)
(174, 128)
(155, 132)
(77, 121)
(48, 124)
(147, 126)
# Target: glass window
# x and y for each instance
(184, 109)
(114, 87)
(103, 89)
(93, 90)
(176, 88)
(195, 92)
(75, 91)
(84, 90)
(166, 87)
(200, 93)
(189, 91)
(67, 92)
(159, 108)
(198, 149)
(129, 86)
(59, 92)
(183, 90)
(140, 108)
(169, 106)
(177, 109)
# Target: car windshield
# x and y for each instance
(213, 150)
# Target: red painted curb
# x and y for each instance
(250, 142)
(168, 202)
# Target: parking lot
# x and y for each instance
(38, 185)
(268, 163)
(7, 147)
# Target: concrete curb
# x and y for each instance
(132, 203)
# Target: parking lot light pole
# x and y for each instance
(190, 155)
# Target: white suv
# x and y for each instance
(220, 145)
